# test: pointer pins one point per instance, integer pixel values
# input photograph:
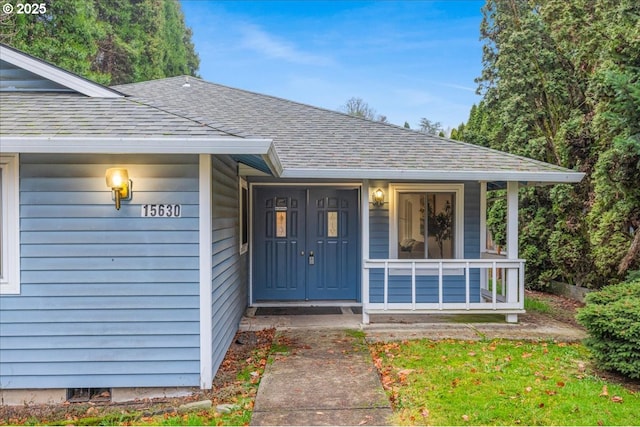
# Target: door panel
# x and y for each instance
(278, 267)
(333, 237)
(306, 244)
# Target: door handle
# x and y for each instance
(312, 258)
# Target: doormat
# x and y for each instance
(296, 311)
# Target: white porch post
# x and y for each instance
(483, 231)
(512, 245)
(205, 252)
(365, 250)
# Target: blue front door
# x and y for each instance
(306, 244)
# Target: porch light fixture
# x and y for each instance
(119, 182)
(378, 197)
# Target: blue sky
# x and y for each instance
(406, 59)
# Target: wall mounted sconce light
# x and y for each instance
(378, 197)
(119, 182)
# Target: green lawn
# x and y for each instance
(499, 383)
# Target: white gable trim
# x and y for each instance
(133, 145)
(546, 177)
(56, 74)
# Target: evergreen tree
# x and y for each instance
(560, 83)
(112, 42)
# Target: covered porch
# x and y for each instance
(491, 283)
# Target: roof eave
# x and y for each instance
(543, 177)
(135, 145)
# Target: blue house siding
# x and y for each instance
(426, 286)
(108, 298)
(229, 268)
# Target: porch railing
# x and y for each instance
(500, 288)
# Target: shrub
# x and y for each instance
(612, 318)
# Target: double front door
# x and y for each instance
(305, 244)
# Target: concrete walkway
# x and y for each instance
(326, 376)
(323, 378)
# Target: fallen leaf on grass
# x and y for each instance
(387, 381)
(605, 391)
(616, 399)
(465, 418)
(92, 411)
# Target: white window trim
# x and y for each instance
(10, 274)
(242, 185)
(395, 189)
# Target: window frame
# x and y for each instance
(243, 216)
(457, 189)
(10, 205)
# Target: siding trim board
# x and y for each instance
(10, 225)
(205, 241)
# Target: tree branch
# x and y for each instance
(633, 254)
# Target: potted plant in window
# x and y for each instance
(439, 225)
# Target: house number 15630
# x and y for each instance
(164, 211)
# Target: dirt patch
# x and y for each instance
(245, 348)
(563, 309)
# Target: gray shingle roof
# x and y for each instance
(309, 140)
(57, 115)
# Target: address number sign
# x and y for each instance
(161, 211)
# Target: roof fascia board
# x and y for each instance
(126, 145)
(56, 74)
(273, 161)
(523, 176)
